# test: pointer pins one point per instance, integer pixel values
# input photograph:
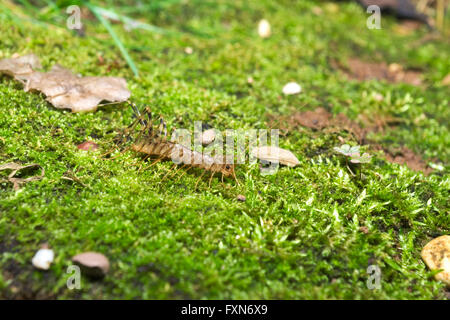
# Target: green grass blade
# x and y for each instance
(116, 39)
(131, 22)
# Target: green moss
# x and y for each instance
(297, 234)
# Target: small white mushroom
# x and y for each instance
(43, 259)
(188, 50)
(93, 264)
(275, 155)
(264, 28)
(292, 88)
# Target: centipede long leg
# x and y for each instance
(235, 178)
(184, 173)
(151, 164)
(143, 160)
(176, 171)
(170, 170)
(198, 180)
(130, 127)
(210, 179)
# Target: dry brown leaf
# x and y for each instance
(275, 155)
(88, 146)
(15, 167)
(19, 65)
(66, 90)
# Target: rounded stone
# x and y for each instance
(208, 136)
(436, 255)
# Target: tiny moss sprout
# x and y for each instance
(354, 154)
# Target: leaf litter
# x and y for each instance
(16, 65)
(321, 119)
(15, 168)
(357, 69)
(63, 89)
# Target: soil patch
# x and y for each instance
(321, 119)
(357, 69)
(405, 156)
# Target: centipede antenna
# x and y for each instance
(150, 120)
(137, 113)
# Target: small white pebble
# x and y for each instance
(264, 28)
(43, 259)
(292, 88)
(188, 50)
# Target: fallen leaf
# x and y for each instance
(88, 146)
(15, 167)
(275, 155)
(93, 264)
(19, 65)
(68, 91)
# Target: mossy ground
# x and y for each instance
(297, 235)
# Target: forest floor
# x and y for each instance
(307, 232)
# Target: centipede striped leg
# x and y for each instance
(170, 170)
(210, 179)
(176, 171)
(151, 164)
(184, 173)
(198, 180)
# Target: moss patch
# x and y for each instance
(298, 234)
